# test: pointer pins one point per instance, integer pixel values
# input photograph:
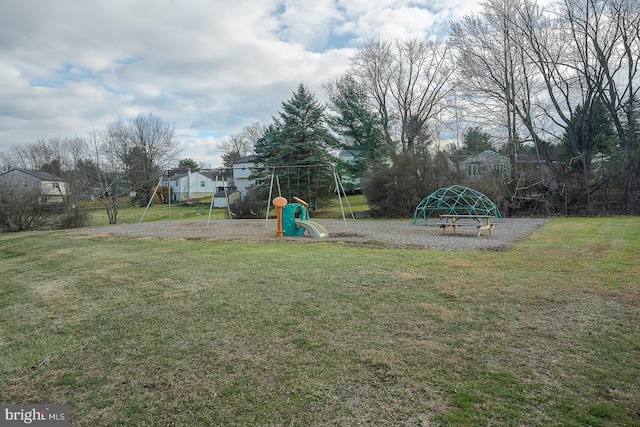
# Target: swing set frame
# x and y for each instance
(339, 188)
(274, 180)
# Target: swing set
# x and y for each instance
(300, 171)
(302, 174)
(219, 178)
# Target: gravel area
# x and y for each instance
(370, 233)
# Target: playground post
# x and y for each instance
(279, 203)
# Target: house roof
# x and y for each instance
(177, 176)
(245, 159)
(229, 191)
(484, 155)
(41, 175)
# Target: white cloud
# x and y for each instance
(209, 67)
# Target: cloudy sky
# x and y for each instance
(210, 67)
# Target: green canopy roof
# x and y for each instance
(455, 200)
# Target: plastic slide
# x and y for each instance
(314, 229)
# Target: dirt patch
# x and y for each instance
(369, 233)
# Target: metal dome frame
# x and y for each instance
(455, 200)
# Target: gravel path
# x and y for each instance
(370, 233)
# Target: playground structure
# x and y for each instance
(275, 185)
(339, 190)
(455, 200)
(162, 195)
(293, 219)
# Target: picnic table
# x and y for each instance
(480, 222)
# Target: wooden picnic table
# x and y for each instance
(481, 222)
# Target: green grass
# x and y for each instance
(128, 213)
(149, 332)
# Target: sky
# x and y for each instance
(208, 67)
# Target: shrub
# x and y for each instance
(395, 191)
(251, 207)
(22, 209)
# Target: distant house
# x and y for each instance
(241, 170)
(191, 185)
(475, 166)
(51, 188)
(225, 196)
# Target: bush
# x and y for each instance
(21, 209)
(251, 207)
(395, 191)
(74, 216)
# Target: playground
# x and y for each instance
(292, 224)
(364, 233)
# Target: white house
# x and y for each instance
(225, 194)
(242, 174)
(51, 188)
(192, 185)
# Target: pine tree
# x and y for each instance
(299, 137)
(360, 128)
(475, 141)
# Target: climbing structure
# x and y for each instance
(455, 200)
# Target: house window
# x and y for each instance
(202, 184)
(25, 183)
(472, 170)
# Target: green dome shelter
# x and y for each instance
(455, 200)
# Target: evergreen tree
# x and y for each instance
(361, 130)
(188, 163)
(593, 133)
(475, 141)
(299, 137)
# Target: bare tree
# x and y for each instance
(103, 173)
(495, 74)
(241, 144)
(144, 146)
(372, 67)
(55, 155)
(408, 83)
(586, 53)
(422, 76)
(608, 35)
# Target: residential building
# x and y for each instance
(192, 185)
(475, 166)
(51, 188)
(241, 170)
(225, 196)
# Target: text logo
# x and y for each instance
(34, 415)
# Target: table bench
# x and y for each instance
(480, 222)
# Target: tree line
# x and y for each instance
(557, 84)
(126, 158)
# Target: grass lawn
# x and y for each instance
(128, 213)
(149, 332)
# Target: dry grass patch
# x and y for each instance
(132, 332)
